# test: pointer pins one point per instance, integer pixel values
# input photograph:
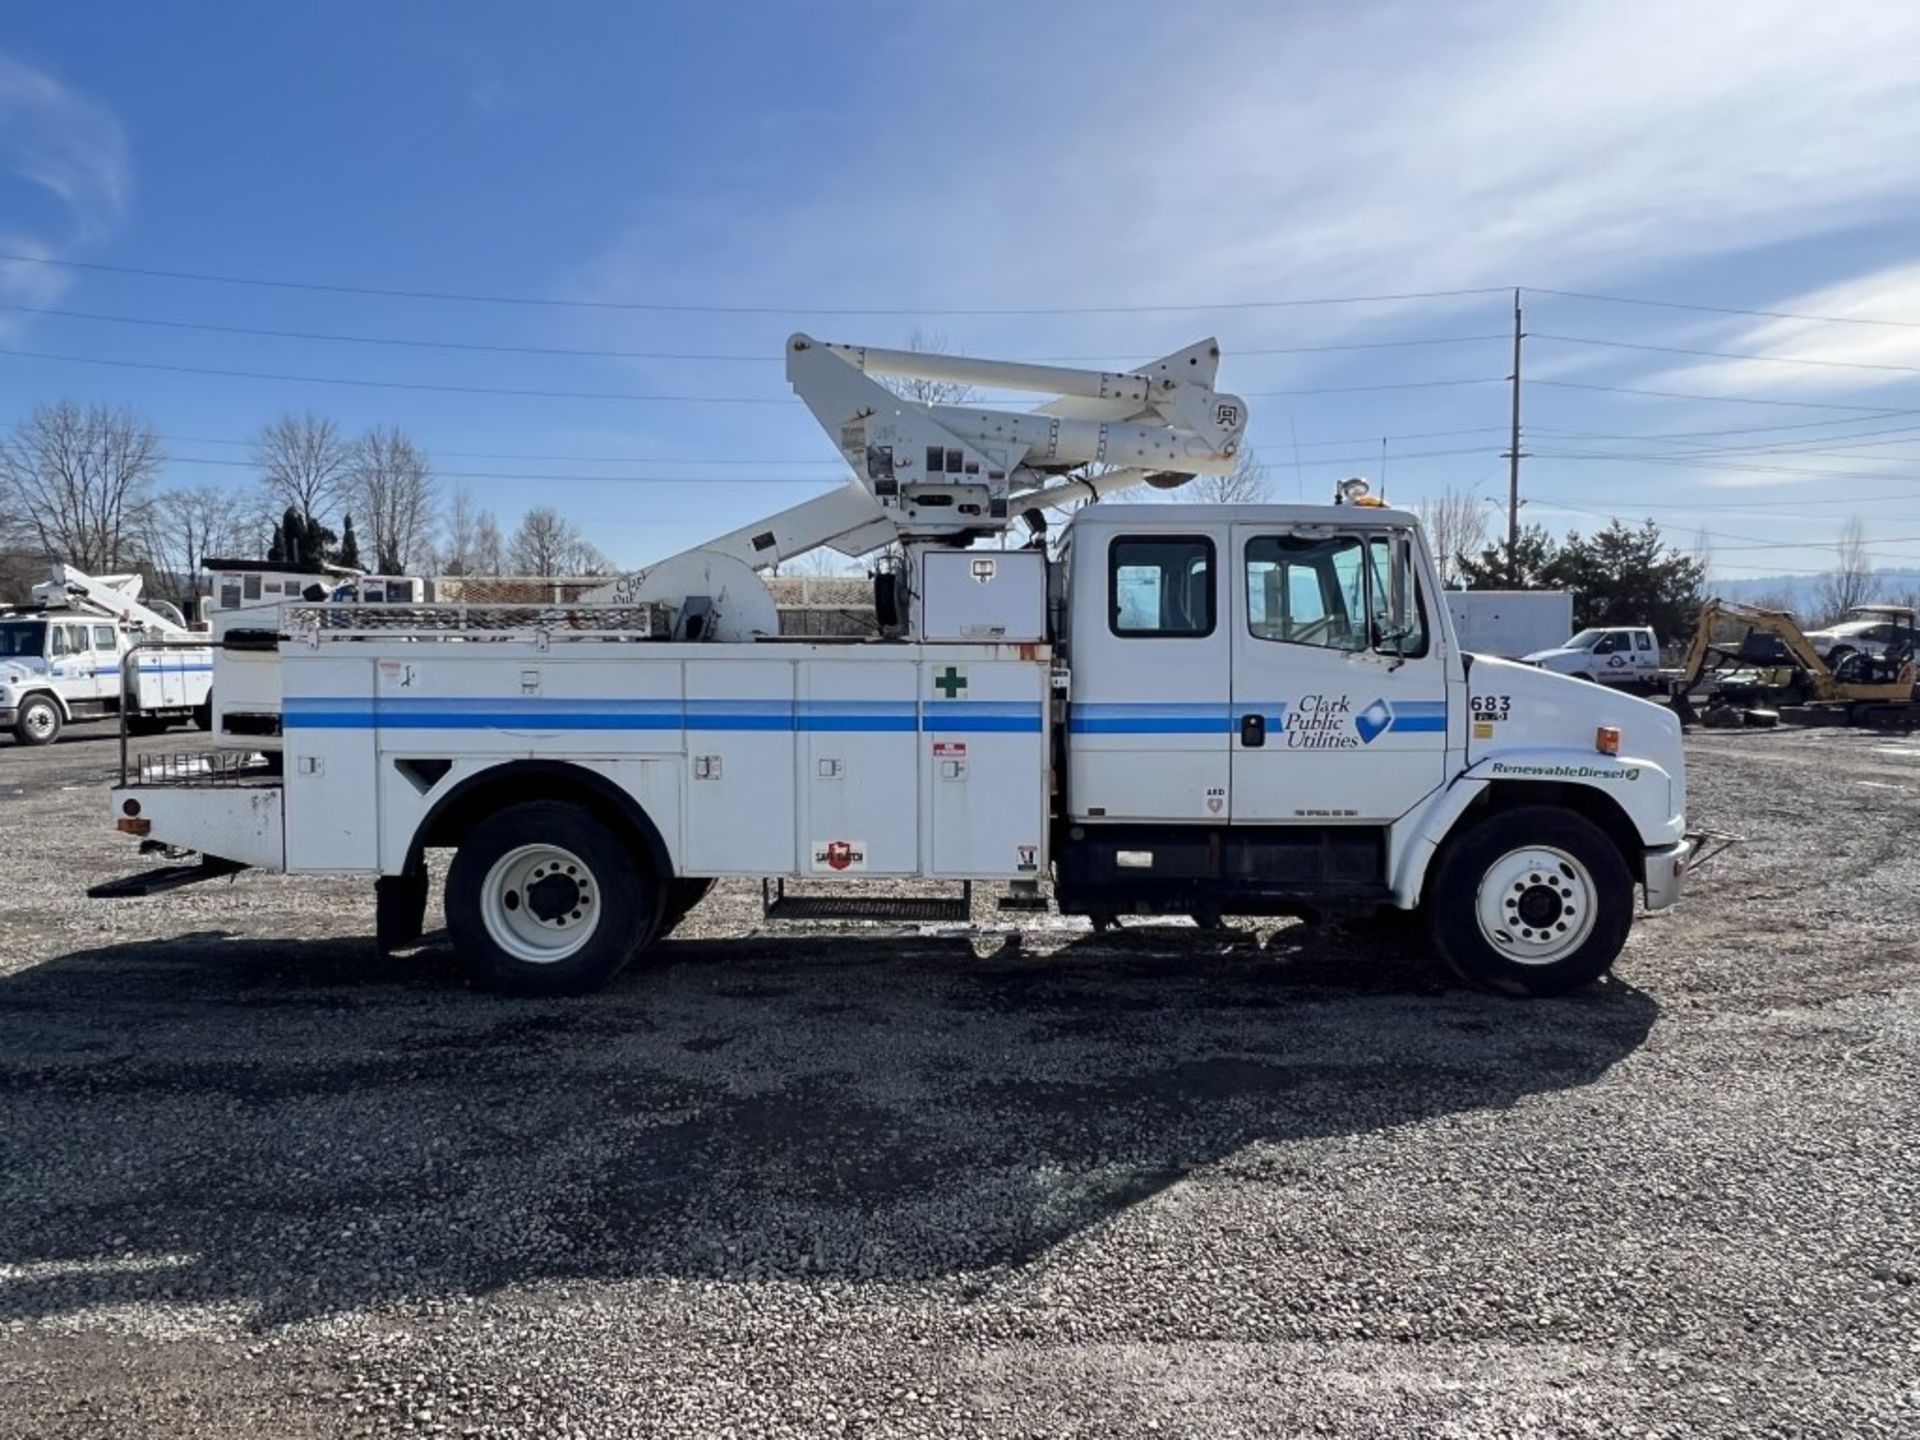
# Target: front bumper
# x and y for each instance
(1666, 871)
(9, 716)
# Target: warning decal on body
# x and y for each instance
(839, 856)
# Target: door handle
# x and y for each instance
(1253, 731)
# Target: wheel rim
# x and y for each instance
(1536, 905)
(540, 903)
(40, 721)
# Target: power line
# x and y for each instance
(248, 442)
(1724, 354)
(1901, 435)
(714, 480)
(758, 358)
(1720, 399)
(392, 293)
(451, 389)
(1703, 463)
(1757, 543)
(1764, 429)
(1722, 309)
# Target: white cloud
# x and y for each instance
(57, 140)
(1892, 293)
(1310, 150)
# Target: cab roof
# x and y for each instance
(1109, 514)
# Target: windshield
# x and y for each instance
(23, 639)
(1585, 640)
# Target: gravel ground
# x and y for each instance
(255, 1181)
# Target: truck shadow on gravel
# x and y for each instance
(291, 1128)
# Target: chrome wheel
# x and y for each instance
(540, 903)
(1536, 905)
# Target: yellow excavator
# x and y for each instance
(1773, 660)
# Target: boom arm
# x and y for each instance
(113, 596)
(945, 473)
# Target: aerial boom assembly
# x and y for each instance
(933, 474)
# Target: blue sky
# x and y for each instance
(788, 164)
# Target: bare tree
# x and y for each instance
(79, 481)
(393, 493)
(459, 534)
(1456, 525)
(1852, 580)
(191, 523)
(305, 463)
(1247, 485)
(922, 391)
(546, 543)
(489, 551)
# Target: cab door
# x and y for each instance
(103, 663)
(73, 666)
(1340, 709)
(1147, 736)
(1646, 656)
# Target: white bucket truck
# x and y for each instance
(89, 648)
(1189, 710)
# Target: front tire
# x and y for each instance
(37, 722)
(1531, 901)
(543, 899)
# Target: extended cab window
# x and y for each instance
(1160, 585)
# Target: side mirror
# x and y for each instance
(1397, 588)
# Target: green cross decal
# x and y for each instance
(950, 682)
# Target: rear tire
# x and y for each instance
(37, 722)
(1531, 901)
(543, 899)
(145, 725)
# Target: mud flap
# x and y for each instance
(399, 910)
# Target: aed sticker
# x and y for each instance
(949, 749)
(1029, 856)
(1216, 799)
(839, 855)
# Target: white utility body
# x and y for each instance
(89, 647)
(1626, 655)
(1174, 709)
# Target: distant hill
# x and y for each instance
(1800, 592)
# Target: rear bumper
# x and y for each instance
(1666, 872)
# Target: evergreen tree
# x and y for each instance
(349, 553)
(293, 545)
(1527, 568)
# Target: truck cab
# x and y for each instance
(1268, 713)
(1624, 655)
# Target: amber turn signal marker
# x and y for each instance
(129, 826)
(1606, 739)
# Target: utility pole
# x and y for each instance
(1513, 453)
